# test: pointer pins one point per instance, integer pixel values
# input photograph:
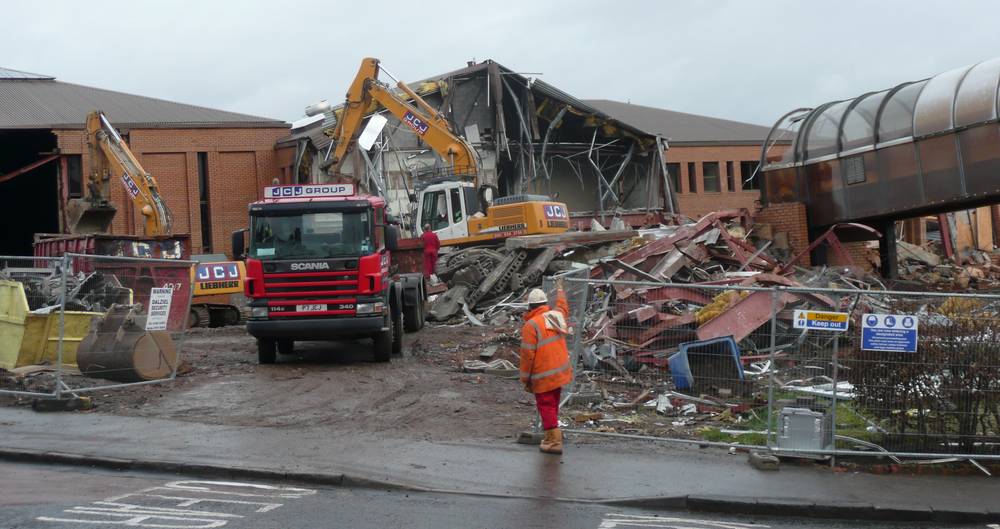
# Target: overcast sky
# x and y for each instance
(738, 59)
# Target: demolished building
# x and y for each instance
(532, 139)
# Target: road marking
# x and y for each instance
(614, 520)
(168, 506)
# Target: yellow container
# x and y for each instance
(13, 312)
(41, 337)
(31, 339)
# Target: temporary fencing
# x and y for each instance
(804, 372)
(83, 323)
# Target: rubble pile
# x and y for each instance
(488, 284)
(92, 292)
(683, 330)
(978, 269)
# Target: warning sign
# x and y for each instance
(159, 308)
(825, 321)
(889, 332)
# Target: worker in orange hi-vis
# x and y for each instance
(432, 244)
(545, 364)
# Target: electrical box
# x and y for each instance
(804, 429)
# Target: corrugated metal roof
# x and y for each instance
(312, 131)
(7, 73)
(44, 103)
(680, 127)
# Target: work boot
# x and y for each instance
(552, 443)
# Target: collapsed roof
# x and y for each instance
(531, 137)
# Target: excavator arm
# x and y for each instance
(111, 157)
(423, 119)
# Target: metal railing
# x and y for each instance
(806, 372)
(77, 324)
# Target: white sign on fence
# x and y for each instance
(817, 319)
(889, 332)
(159, 308)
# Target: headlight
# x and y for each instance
(370, 308)
(258, 312)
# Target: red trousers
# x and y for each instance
(430, 259)
(548, 408)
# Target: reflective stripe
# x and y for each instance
(538, 332)
(529, 346)
(549, 340)
(551, 372)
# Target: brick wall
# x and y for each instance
(858, 252)
(788, 218)
(695, 202)
(241, 161)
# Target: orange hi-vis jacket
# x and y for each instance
(545, 361)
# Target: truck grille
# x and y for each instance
(286, 291)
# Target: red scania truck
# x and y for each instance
(318, 268)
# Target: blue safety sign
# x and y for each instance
(889, 332)
(819, 320)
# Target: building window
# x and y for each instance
(854, 168)
(730, 178)
(203, 198)
(674, 173)
(74, 176)
(692, 179)
(749, 175)
(710, 178)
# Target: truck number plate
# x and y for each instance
(310, 308)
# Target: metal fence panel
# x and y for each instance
(138, 313)
(30, 297)
(652, 362)
(804, 372)
(91, 323)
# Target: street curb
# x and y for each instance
(698, 503)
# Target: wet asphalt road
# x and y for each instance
(43, 496)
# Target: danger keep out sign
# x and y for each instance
(826, 321)
(889, 332)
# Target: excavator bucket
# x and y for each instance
(119, 348)
(89, 216)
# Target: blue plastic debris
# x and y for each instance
(680, 362)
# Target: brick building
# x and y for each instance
(209, 163)
(711, 161)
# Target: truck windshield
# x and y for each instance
(311, 235)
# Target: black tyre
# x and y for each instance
(413, 316)
(383, 344)
(266, 351)
(286, 347)
(397, 332)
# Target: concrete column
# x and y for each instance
(887, 250)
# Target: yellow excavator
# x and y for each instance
(111, 158)
(452, 208)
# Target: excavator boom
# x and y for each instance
(427, 123)
(110, 158)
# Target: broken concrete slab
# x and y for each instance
(526, 242)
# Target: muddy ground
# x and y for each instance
(421, 394)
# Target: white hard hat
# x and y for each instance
(536, 296)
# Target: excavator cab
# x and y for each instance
(460, 214)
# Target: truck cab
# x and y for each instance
(318, 268)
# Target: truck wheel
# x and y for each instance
(413, 316)
(397, 333)
(383, 344)
(266, 351)
(286, 347)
